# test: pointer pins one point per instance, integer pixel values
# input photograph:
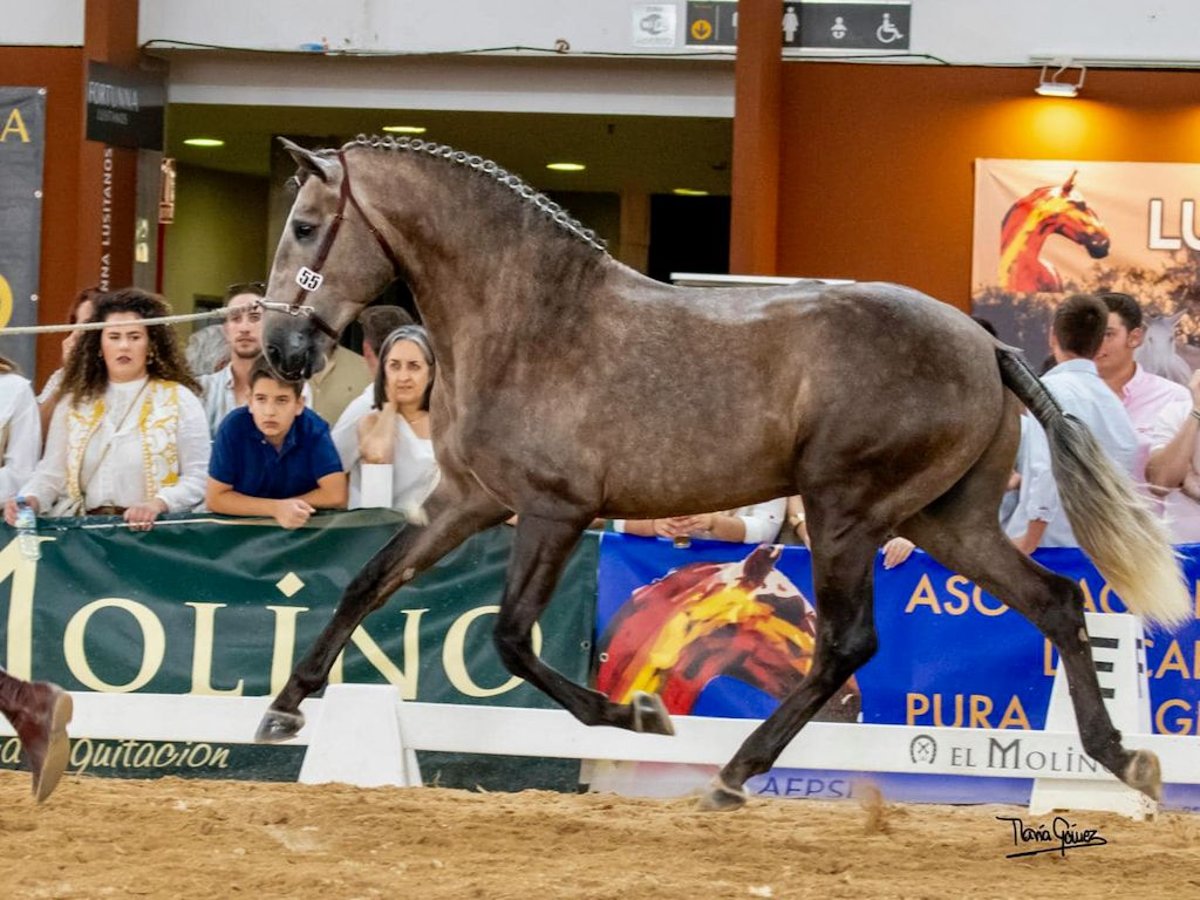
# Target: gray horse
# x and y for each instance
(570, 386)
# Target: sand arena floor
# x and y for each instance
(179, 838)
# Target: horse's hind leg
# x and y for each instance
(962, 532)
(541, 548)
(458, 511)
(843, 567)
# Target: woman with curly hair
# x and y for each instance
(130, 436)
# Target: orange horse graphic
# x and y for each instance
(1048, 210)
(745, 620)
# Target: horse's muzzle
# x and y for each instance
(290, 353)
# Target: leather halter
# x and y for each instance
(347, 194)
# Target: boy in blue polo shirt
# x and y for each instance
(274, 458)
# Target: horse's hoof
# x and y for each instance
(277, 726)
(650, 715)
(1144, 773)
(58, 748)
(722, 798)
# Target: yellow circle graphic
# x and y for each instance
(6, 307)
(702, 29)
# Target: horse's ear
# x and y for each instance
(309, 161)
(1069, 184)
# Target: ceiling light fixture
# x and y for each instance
(689, 192)
(566, 167)
(405, 129)
(204, 142)
(1052, 87)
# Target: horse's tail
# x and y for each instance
(1113, 524)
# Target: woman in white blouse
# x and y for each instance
(397, 430)
(130, 436)
(20, 431)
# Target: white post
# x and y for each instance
(357, 739)
(1119, 654)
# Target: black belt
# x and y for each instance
(107, 511)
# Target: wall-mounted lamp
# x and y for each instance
(1052, 87)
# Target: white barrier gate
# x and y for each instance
(366, 735)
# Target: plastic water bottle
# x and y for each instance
(27, 538)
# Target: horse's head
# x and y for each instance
(330, 262)
(1071, 217)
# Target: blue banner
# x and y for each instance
(949, 653)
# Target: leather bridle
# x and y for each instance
(313, 273)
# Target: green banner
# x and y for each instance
(226, 607)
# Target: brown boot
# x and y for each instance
(39, 711)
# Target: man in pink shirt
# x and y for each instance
(1147, 398)
(1142, 394)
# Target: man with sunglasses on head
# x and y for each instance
(229, 387)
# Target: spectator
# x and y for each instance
(757, 524)
(129, 437)
(1143, 394)
(344, 376)
(20, 431)
(377, 323)
(80, 311)
(274, 457)
(1077, 333)
(229, 387)
(396, 432)
(795, 531)
(1174, 463)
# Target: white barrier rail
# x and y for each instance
(364, 734)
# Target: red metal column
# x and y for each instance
(758, 77)
(107, 175)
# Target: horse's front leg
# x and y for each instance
(843, 560)
(542, 546)
(456, 515)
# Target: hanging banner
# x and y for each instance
(1045, 229)
(22, 149)
(726, 630)
(203, 606)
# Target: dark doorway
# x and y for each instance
(688, 234)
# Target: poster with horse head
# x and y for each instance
(1045, 229)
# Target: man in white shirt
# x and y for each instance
(1075, 337)
(229, 387)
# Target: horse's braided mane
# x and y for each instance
(556, 213)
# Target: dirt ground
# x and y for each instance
(179, 838)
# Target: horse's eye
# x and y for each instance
(302, 230)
